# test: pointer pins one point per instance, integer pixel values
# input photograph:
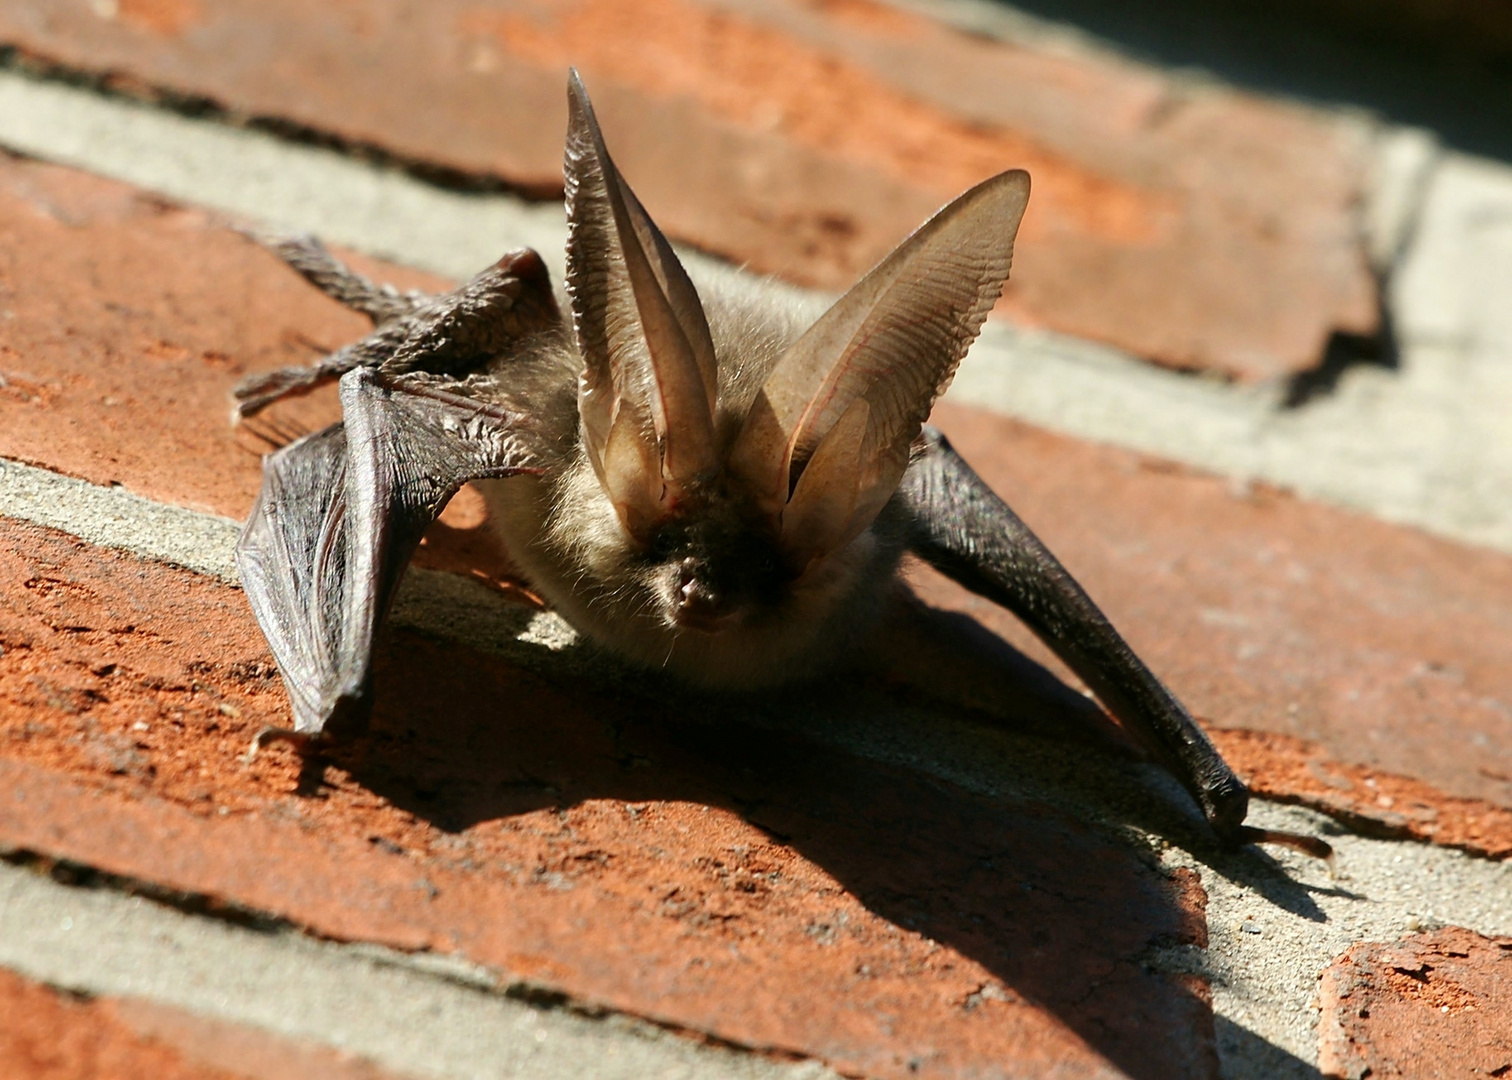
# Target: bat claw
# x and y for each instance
(1308, 845)
(298, 739)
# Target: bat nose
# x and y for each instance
(699, 605)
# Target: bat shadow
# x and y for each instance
(950, 825)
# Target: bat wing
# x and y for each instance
(969, 534)
(339, 516)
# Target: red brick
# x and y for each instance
(45, 1035)
(1430, 1005)
(1371, 801)
(1201, 229)
(627, 852)
(49, 1035)
(130, 319)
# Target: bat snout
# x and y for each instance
(698, 605)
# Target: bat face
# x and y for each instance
(726, 513)
(707, 589)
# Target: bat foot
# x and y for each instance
(300, 740)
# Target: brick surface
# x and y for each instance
(45, 1035)
(1432, 1005)
(1384, 651)
(128, 321)
(1198, 227)
(49, 1035)
(1369, 800)
(708, 876)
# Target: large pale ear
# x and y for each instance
(843, 404)
(647, 389)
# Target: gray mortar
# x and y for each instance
(368, 1001)
(1265, 979)
(114, 517)
(1423, 445)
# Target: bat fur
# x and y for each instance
(694, 477)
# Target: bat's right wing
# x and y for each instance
(342, 511)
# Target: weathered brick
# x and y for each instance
(1430, 1005)
(49, 1035)
(129, 320)
(1198, 227)
(1371, 801)
(619, 849)
(45, 1035)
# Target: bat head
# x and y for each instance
(734, 502)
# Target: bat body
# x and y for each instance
(695, 479)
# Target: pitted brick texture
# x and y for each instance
(1370, 801)
(1435, 1005)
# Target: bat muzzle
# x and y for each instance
(700, 607)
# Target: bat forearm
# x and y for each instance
(965, 531)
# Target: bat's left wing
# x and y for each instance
(342, 511)
(965, 531)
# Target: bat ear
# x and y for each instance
(827, 440)
(646, 393)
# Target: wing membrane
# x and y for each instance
(341, 513)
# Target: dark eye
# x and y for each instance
(766, 565)
(663, 544)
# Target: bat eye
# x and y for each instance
(663, 545)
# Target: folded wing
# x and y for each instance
(341, 513)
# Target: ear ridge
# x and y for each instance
(640, 327)
(681, 396)
(629, 474)
(824, 500)
(673, 287)
(895, 340)
(591, 280)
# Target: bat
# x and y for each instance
(694, 479)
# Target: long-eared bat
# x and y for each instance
(692, 479)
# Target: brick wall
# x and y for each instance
(949, 871)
